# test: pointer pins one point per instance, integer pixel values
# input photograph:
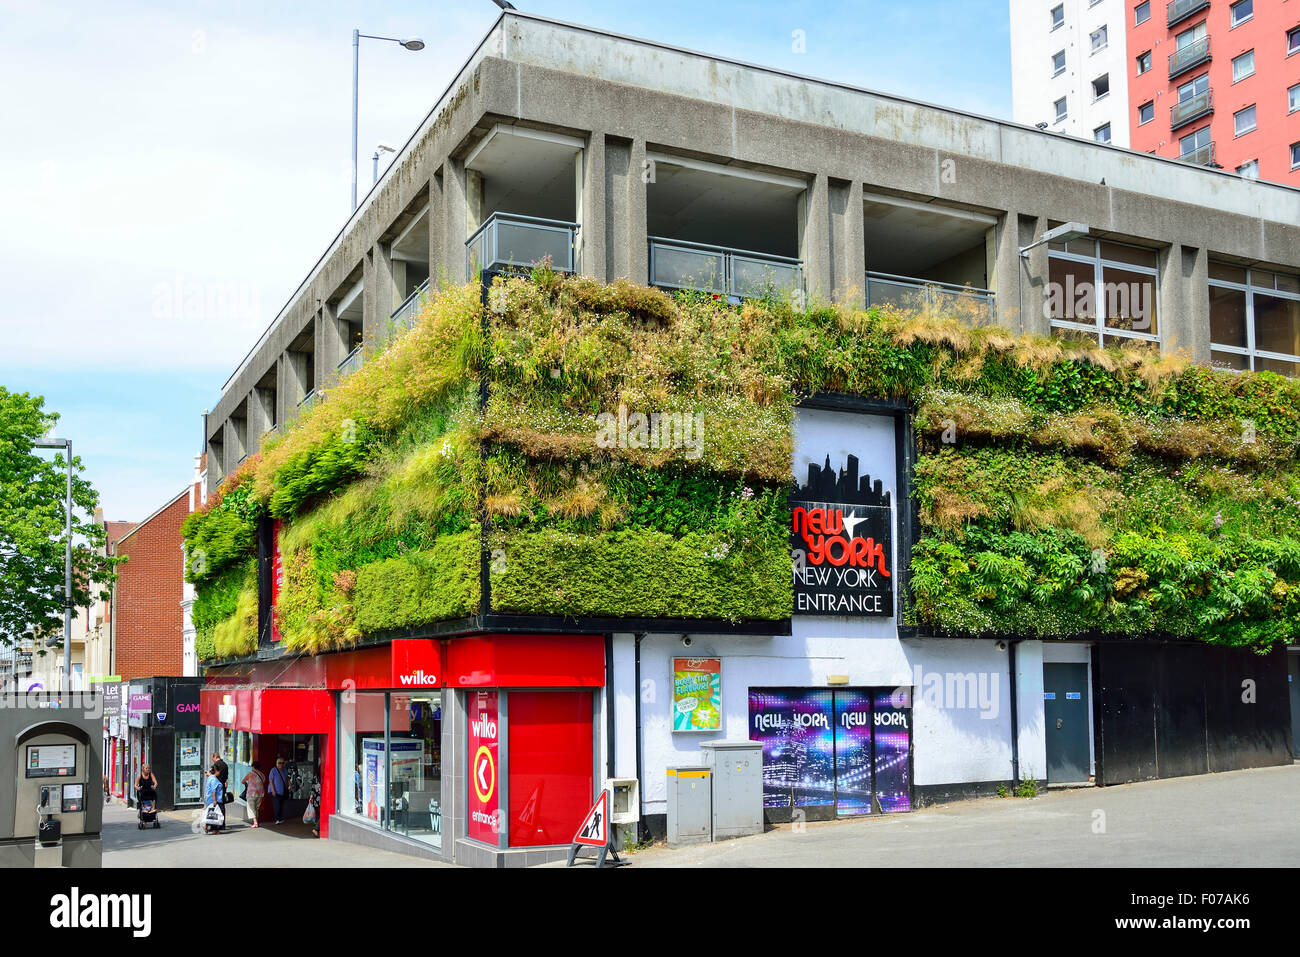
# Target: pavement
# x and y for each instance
(180, 843)
(1234, 819)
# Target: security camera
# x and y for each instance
(1001, 646)
(686, 641)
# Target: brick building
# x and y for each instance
(147, 627)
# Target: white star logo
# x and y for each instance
(851, 523)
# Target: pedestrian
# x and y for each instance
(254, 790)
(146, 785)
(221, 768)
(278, 784)
(214, 807)
(107, 797)
(313, 802)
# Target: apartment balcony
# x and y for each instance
(403, 316)
(1182, 113)
(351, 363)
(1194, 54)
(1204, 156)
(734, 273)
(911, 294)
(509, 241)
(1180, 10)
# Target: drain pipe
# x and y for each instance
(1015, 713)
(636, 692)
(609, 706)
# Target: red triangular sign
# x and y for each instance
(594, 829)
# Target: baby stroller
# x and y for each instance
(146, 804)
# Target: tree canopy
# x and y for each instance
(33, 489)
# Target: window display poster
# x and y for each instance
(892, 718)
(407, 767)
(852, 752)
(189, 785)
(794, 726)
(483, 743)
(189, 750)
(697, 694)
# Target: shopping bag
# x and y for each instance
(214, 815)
(309, 815)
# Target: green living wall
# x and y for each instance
(634, 455)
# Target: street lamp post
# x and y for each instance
(413, 44)
(381, 148)
(66, 445)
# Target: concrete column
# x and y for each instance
(847, 243)
(437, 227)
(328, 350)
(815, 238)
(455, 215)
(284, 387)
(229, 447)
(473, 201)
(1183, 304)
(626, 171)
(590, 215)
(378, 293)
(256, 422)
(1019, 282)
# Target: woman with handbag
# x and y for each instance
(254, 790)
(278, 784)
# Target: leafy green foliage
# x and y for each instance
(217, 607)
(420, 588)
(33, 519)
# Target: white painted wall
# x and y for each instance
(1034, 89)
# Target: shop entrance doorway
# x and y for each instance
(833, 753)
(1065, 714)
(1293, 685)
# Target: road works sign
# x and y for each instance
(594, 831)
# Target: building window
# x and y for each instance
(1098, 39)
(1254, 319)
(1058, 63)
(1249, 170)
(1243, 66)
(1144, 62)
(1243, 121)
(1194, 88)
(1101, 86)
(1193, 145)
(1142, 12)
(1241, 11)
(1058, 16)
(1146, 112)
(1293, 41)
(1293, 98)
(1102, 291)
(1060, 109)
(1102, 133)
(1295, 155)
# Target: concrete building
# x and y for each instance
(619, 157)
(1069, 69)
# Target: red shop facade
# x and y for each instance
(478, 749)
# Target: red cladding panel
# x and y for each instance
(416, 663)
(526, 661)
(551, 776)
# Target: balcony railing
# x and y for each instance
(1193, 108)
(735, 273)
(351, 363)
(308, 401)
(1180, 10)
(908, 293)
(1202, 156)
(403, 316)
(509, 241)
(1194, 54)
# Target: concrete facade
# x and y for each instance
(624, 99)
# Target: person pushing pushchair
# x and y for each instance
(146, 799)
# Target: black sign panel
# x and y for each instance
(841, 533)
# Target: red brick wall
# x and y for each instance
(148, 638)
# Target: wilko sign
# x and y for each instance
(277, 578)
(416, 663)
(841, 535)
(484, 814)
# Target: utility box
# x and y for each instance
(624, 800)
(690, 805)
(737, 768)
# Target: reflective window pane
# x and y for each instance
(1281, 367)
(1277, 324)
(1227, 273)
(1228, 317)
(1134, 255)
(1070, 293)
(1130, 300)
(1229, 360)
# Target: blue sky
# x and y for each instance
(172, 171)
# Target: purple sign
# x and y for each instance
(892, 724)
(798, 745)
(139, 703)
(852, 752)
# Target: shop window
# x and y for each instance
(189, 767)
(1254, 319)
(551, 776)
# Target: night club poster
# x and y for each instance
(852, 752)
(892, 720)
(798, 746)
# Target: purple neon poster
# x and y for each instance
(892, 725)
(852, 752)
(794, 727)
